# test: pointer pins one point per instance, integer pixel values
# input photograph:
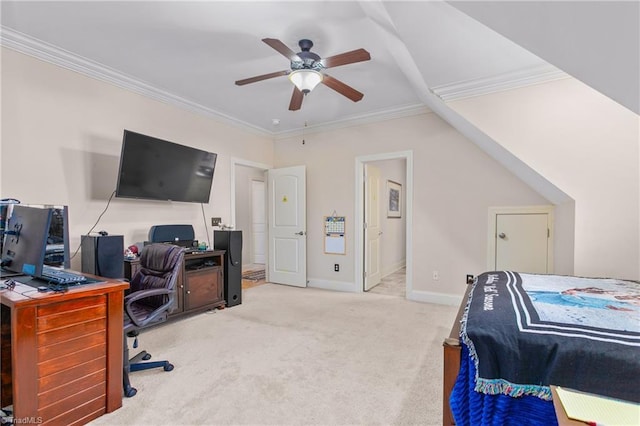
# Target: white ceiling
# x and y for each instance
(191, 53)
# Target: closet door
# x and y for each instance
(522, 242)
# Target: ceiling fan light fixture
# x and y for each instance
(305, 79)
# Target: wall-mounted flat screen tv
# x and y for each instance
(155, 169)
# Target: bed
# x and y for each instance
(518, 334)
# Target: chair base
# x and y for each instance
(135, 364)
(166, 365)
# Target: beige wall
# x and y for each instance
(454, 185)
(61, 141)
(588, 146)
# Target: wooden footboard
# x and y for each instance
(451, 348)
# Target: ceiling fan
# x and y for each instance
(307, 70)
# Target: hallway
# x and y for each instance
(393, 284)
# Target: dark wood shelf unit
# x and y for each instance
(200, 286)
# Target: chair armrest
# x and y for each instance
(143, 294)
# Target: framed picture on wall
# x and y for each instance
(394, 205)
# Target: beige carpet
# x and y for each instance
(291, 356)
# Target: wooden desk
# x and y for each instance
(61, 353)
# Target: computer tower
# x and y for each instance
(231, 241)
(103, 255)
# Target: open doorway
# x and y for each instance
(248, 214)
(383, 243)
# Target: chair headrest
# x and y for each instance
(160, 257)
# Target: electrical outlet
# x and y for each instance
(216, 221)
(469, 279)
(336, 267)
(436, 276)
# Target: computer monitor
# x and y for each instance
(25, 240)
(57, 253)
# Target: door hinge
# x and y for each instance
(548, 233)
(364, 225)
(364, 274)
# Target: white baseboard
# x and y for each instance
(333, 285)
(437, 298)
(415, 295)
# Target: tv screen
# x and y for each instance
(156, 169)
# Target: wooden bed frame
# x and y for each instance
(451, 348)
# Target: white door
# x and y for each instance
(258, 221)
(287, 226)
(522, 242)
(372, 228)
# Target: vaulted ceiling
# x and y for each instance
(191, 53)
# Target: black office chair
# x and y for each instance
(152, 298)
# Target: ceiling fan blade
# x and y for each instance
(261, 77)
(282, 48)
(357, 55)
(342, 88)
(296, 99)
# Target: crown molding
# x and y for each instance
(498, 83)
(31, 46)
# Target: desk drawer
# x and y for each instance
(71, 362)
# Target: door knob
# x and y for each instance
(300, 233)
(502, 235)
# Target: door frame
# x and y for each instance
(359, 209)
(235, 162)
(491, 235)
(240, 162)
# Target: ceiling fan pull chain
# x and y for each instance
(305, 126)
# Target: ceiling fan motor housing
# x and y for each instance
(309, 59)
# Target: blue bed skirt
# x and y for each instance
(474, 408)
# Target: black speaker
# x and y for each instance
(231, 241)
(103, 255)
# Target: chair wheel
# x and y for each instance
(146, 357)
(130, 392)
(168, 367)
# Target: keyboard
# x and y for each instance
(58, 276)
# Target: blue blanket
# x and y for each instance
(474, 408)
(525, 332)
